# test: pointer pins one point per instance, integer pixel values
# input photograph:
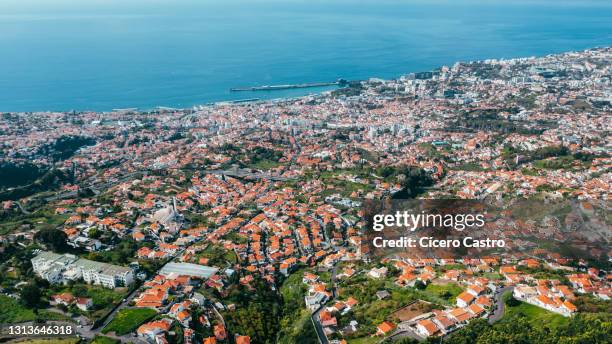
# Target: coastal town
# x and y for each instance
(244, 222)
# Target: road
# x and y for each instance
(334, 273)
(498, 313)
(403, 333)
(241, 173)
(123, 304)
(315, 316)
(499, 305)
(23, 210)
(317, 325)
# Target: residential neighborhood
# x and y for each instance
(244, 222)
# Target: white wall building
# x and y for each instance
(59, 268)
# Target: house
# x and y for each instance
(65, 299)
(243, 339)
(444, 323)
(153, 298)
(350, 328)
(382, 294)
(464, 299)
(138, 236)
(378, 272)
(183, 317)
(310, 278)
(385, 328)
(475, 310)
(523, 292)
(427, 328)
(152, 329)
(407, 279)
(484, 301)
(144, 252)
(337, 307)
(316, 299)
(219, 331)
(327, 319)
(210, 340)
(84, 304)
(568, 308)
(459, 315)
(351, 302)
(475, 290)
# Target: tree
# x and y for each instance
(30, 296)
(512, 302)
(420, 285)
(94, 233)
(52, 238)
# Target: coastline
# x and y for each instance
(254, 99)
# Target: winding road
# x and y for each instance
(498, 301)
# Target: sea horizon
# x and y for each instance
(114, 54)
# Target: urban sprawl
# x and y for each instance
(242, 222)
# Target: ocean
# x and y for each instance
(102, 54)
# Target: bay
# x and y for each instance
(102, 54)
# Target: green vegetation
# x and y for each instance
(52, 238)
(264, 158)
(65, 146)
(589, 304)
(50, 180)
(412, 179)
(563, 162)
(12, 174)
(371, 311)
(296, 326)
(257, 311)
(123, 253)
(104, 340)
(447, 292)
(300, 330)
(549, 157)
(469, 166)
(489, 120)
(128, 320)
(581, 328)
(30, 296)
(42, 218)
(493, 275)
(53, 341)
(364, 340)
(219, 256)
(535, 315)
(342, 186)
(236, 238)
(13, 312)
(264, 164)
(103, 299)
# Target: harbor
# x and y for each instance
(339, 82)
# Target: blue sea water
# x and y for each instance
(105, 54)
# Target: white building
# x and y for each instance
(59, 268)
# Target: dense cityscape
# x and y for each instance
(243, 223)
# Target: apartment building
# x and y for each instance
(60, 268)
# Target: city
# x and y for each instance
(242, 222)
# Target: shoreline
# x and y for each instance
(249, 100)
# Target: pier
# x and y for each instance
(339, 82)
